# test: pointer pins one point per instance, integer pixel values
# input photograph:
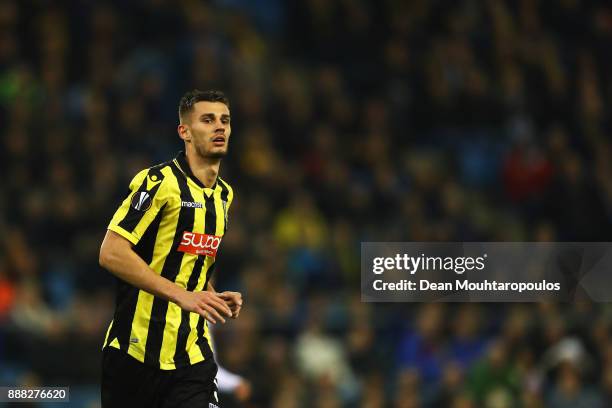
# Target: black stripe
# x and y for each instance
(224, 195)
(210, 227)
(224, 190)
(209, 274)
(127, 295)
(169, 271)
(181, 358)
(133, 216)
(145, 247)
(204, 347)
(125, 306)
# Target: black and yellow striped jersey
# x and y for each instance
(176, 225)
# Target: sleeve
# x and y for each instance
(146, 198)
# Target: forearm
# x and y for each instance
(125, 264)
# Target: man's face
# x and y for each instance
(209, 125)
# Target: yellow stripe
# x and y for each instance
(168, 347)
(163, 244)
(219, 228)
(194, 352)
(173, 314)
(198, 227)
(230, 194)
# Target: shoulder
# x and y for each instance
(154, 177)
(160, 169)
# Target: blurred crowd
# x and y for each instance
(470, 120)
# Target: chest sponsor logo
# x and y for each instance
(199, 244)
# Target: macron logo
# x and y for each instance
(191, 204)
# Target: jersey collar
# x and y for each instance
(181, 162)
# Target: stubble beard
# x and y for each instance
(210, 155)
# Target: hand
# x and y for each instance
(233, 300)
(207, 304)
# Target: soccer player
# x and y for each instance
(161, 244)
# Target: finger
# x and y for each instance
(237, 312)
(227, 298)
(227, 311)
(217, 313)
(234, 300)
(218, 304)
(205, 315)
(229, 302)
(222, 307)
(234, 296)
(208, 317)
(211, 310)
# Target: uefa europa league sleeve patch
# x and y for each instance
(141, 201)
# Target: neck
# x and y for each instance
(203, 168)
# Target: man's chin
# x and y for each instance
(216, 155)
(212, 154)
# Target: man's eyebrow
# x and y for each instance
(212, 115)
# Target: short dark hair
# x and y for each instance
(190, 98)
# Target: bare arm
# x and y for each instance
(118, 257)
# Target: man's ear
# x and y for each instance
(183, 132)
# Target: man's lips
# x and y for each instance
(219, 140)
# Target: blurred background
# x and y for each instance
(483, 120)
